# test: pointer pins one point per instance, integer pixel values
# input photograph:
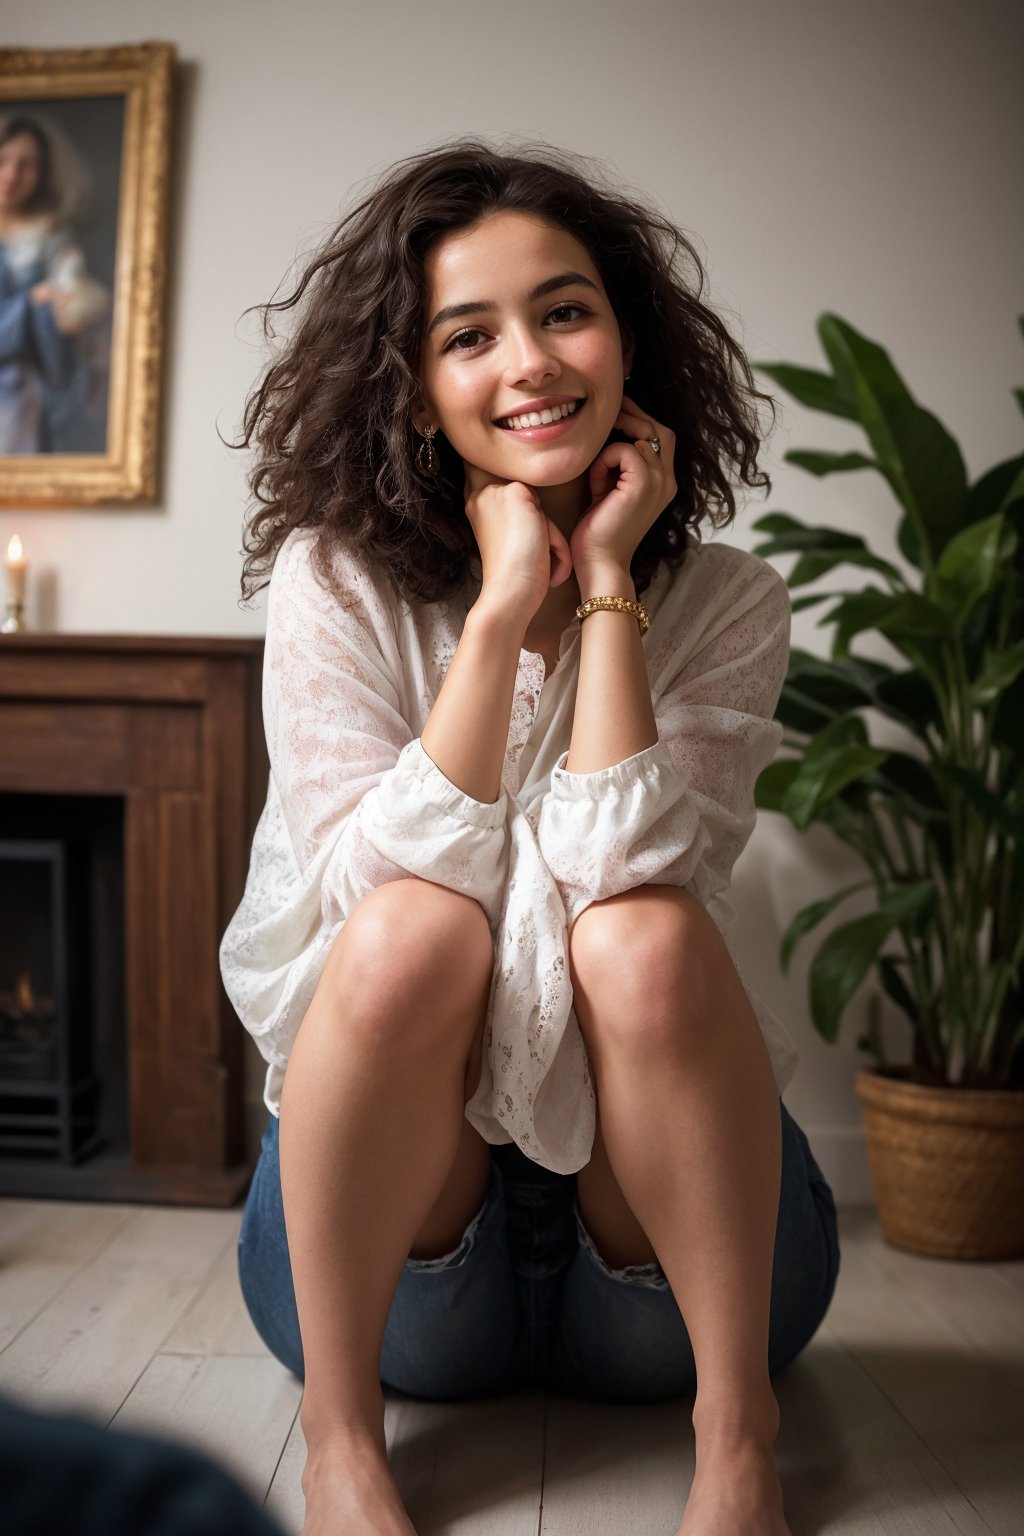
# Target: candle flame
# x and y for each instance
(14, 548)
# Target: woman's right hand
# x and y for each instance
(522, 552)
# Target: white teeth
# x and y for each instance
(539, 418)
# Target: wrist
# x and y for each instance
(499, 621)
(605, 580)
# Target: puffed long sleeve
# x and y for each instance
(353, 801)
(362, 800)
(681, 811)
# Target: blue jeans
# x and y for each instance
(526, 1301)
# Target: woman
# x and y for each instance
(531, 1117)
(52, 384)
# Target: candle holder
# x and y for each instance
(14, 623)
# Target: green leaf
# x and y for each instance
(970, 566)
(825, 688)
(913, 784)
(809, 599)
(820, 548)
(814, 564)
(1015, 491)
(998, 672)
(896, 987)
(791, 536)
(984, 627)
(772, 783)
(1009, 818)
(847, 732)
(908, 542)
(809, 917)
(798, 711)
(857, 672)
(1000, 488)
(823, 774)
(816, 690)
(844, 958)
(818, 391)
(917, 455)
(777, 522)
(927, 659)
(898, 615)
(820, 462)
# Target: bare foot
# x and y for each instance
(351, 1492)
(735, 1494)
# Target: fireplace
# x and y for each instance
(62, 1036)
(133, 771)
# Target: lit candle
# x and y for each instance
(16, 567)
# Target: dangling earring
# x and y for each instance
(427, 461)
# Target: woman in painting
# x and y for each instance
(525, 1117)
(52, 394)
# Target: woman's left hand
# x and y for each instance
(624, 508)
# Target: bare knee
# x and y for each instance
(643, 964)
(625, 942)
(412, 947)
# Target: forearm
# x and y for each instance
(467, 732)
(614, 718)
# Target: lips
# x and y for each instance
(539, 417)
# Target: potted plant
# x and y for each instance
(936, 820)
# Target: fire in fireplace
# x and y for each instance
(28, 1027)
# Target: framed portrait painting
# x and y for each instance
(84, 163)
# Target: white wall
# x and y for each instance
(859, 159)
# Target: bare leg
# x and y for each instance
(690, 1124)
(375, 1158)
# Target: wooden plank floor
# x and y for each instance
(905, 1415)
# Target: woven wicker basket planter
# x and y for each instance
(947, 1166)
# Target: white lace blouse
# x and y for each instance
(354, 801)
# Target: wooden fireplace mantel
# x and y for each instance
(174, 725)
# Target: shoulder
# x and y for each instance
(338, 594)
(340, 577)
(719, 582)
(722, 632)
(721, 566)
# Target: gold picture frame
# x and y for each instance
(80, 384)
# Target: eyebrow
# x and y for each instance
(476, 306)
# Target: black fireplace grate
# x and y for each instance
(48, 1089)
(62, 1049)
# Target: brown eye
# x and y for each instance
(566, 309)
(461, 341)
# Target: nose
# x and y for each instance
(530, 356)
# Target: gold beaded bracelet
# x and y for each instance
(617, 605)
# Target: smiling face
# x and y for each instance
(20, 166)
(523, 360)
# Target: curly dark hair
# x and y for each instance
(330, 416)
